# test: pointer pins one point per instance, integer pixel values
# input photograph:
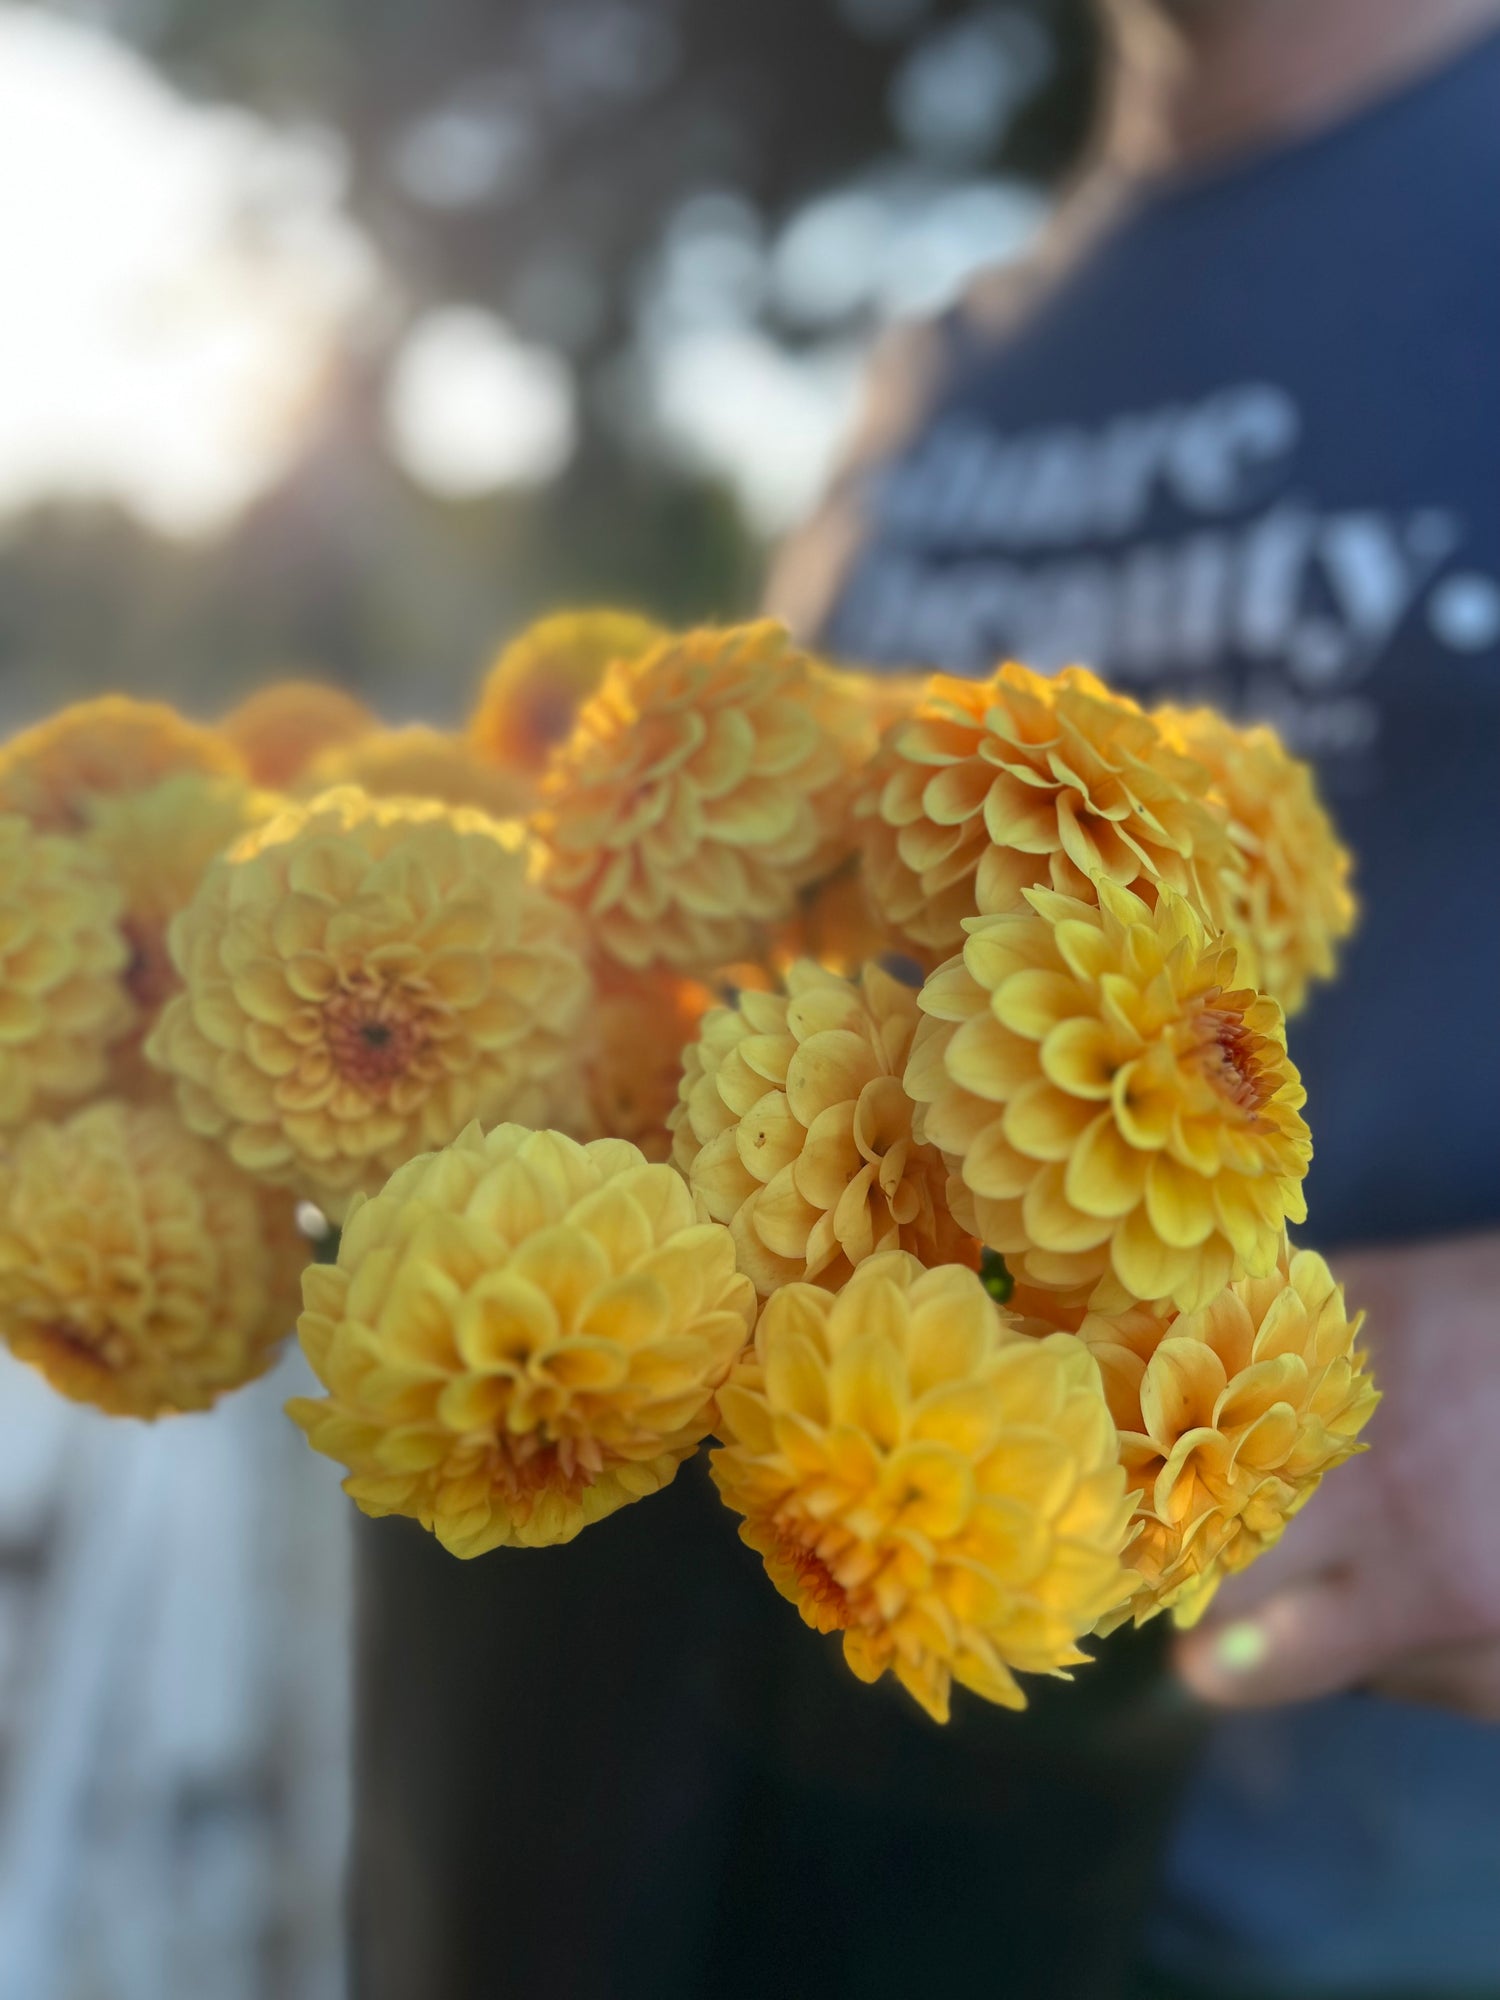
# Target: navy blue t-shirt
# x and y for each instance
(1248, 453)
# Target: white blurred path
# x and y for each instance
(174, 1612)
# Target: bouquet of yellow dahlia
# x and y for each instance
(886, 1078)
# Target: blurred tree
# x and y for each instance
(534, 159)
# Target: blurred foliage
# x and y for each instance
(525, 156)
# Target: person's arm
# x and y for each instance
(1390, 1578)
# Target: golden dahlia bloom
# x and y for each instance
(1292, 904)
(361, 977)
(533, 692)
(999, 786)
(521, 1334)
(54, 771)
(1114, 1100)
(643, 1023)
(919, 1477)
(63, 959)
(139, 1270)
(157, 844)
(1228, 1419)
(794, 1128)
(279, 729)
(702, 786)
(416, 762)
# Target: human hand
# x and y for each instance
(1390, 1577)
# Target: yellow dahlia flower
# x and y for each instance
(279, 729)
(139, 1270)
(416, 762)
(699, 790)
(794, 1128)
(157, 844)
(1292, 904)
(63, 958)
(521, 1334)
(533, 692)
(1228, 1419)
(643, 1023)
(361, 978)
(1114, 1099)
(995, 787)
(919, 1477)
(53, 771)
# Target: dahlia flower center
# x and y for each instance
(816, 1582)
(104, 1347)
(1229, 1053)
(523, 1467)
(550, 716)
(373, 1036)
(149, 978)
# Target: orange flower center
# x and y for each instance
(549, 717)
(107, 1349)
(816, 1582)
(373, 1036)
(525, 1467)
(1231, 1055)
(149, 977)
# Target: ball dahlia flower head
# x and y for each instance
(886, 1077)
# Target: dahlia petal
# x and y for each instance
(989, 1060)
(1182, 1385)
(1143, 1113)
(630, 1311)
(1044, 1123)
(1033, 1003)
(1079, 1056)
(1106, 1176)
(768, 1138)
(1146, 1266)
(1179, 1203)
(1002, 879)
(1052, 1222)
(827, 1068)
(993, 1167)
(826, 1158)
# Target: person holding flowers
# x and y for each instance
(1250, 366)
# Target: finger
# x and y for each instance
(1328, 1534)
(1464, 1678)
(1313, 1638)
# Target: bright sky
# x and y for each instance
(176, 279)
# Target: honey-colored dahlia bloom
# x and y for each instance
(533, 692)
(794, 1128)
(643, 1023)
(54, 771)
(702, 786)
(63, 959)
(139, 1270)
(1115, 1101)
(279, 729)
(1292, 902)
(361, 977)
(520, 1336)
(1228, 1418)
(919, 1477)
(416, 762)
(157, 844)
(999, 786)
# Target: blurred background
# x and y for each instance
(339, 337)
